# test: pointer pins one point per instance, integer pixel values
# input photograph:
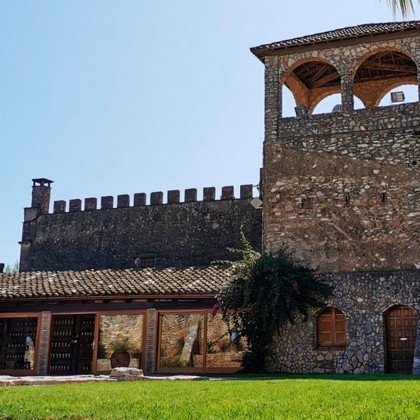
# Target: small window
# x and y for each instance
(331, 328)
(307, 203)
(147, 262)
(347, 198)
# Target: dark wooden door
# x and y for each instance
(71, 347)
(401, 331)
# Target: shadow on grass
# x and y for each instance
(329, 377)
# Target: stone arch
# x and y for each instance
(319, 311)
(310, 80)
(380, 68)
(394, 305)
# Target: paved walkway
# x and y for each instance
(6, 380)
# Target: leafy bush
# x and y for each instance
(267, 291)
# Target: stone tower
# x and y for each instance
(341, 190)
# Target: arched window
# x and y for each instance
(331, 325)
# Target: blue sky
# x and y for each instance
(117, 97)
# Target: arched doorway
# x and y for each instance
(401, 331)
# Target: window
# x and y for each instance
(198, 341)
(331, 325)
(122, 333)
(146, 261)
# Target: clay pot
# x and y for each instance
(120, 358)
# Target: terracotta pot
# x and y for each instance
(120, 358)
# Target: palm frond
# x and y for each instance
(404, 6)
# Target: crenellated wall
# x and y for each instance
(175, 233)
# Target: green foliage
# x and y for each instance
(267, 291)
(405, 7)
(122, 344)
(101, 351)
(12, 268)
(252, 397)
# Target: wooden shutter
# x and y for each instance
(331, 328)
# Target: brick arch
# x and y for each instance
(393, 86)
(302, 94)
(298, 62)
(372, 91)
(377, 50)
(326, 95)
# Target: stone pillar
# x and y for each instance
(151, 341)
(418, 80)
(416, 366)
(43, 344)
(347, 93)
(273, 98)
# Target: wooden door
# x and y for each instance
(71, 347)
(86, 333)
(401, 331)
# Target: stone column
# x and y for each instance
(151, 341)
(418, 80)
(273, 98)
(44, 343)
(347, 93)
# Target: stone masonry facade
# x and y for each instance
(364, 298)
(340, 193)
(355, 194)
(174, 234)
(341, 190)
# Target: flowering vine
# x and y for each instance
(266, 292)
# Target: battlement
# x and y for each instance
(155, 199)
(164, 229)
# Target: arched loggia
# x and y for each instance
(311, 80)
(380, 71)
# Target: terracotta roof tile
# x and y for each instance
(367, 29)
(94, 283)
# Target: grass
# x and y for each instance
(290, 397)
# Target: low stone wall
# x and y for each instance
(364, 298)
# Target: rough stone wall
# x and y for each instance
(176, 234)
(342, 191)
(364, 298)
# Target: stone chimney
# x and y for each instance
(41, 192)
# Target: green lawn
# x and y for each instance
(294, 397)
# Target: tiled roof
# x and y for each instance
(109, 283)
(339, 34)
